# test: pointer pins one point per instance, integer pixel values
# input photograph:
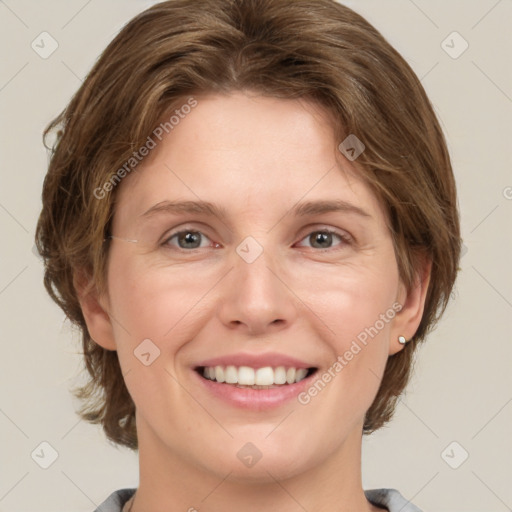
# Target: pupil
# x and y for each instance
(323, 238)
(190, 237)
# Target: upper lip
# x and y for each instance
(272, 359)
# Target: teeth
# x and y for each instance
(264, 376)
(280, 375)
(300, 374)
(247, 376)
(219, 374)
(231, 375)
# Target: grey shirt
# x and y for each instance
(388, 498)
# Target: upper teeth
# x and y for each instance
(247, 376)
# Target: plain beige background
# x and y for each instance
(462, 386)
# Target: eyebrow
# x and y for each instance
(327, 206)
(299, 210)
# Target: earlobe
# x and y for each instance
(95, 312)
(408, 319)
(402, 340)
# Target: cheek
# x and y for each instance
(355, 306)
(162, 303)
(159, 300)
(351, 298)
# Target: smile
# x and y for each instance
(256, 388)
(256, 378)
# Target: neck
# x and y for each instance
(171, 483)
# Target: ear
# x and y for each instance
(407, 321)
(95, 311)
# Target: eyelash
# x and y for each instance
(345, 238)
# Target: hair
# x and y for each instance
(314, 49)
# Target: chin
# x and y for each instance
(266, 460)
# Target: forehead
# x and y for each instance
(247, 153)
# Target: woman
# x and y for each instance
(251, 215)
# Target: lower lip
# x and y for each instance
(255, 399)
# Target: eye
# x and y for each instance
(192, 239)
(323, 238)
(187, 239)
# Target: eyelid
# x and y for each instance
(185, 227)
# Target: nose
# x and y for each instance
(256, 298)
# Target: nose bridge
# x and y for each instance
(255, 266)
(255, 297)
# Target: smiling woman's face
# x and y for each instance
(272, 279)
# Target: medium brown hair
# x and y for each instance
(315, 49)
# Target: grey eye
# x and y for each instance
(188, 239)
(321, 239)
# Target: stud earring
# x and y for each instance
(402, 340)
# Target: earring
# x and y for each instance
(402, 340)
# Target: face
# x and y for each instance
(289, 275)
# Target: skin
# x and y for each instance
(256, 157)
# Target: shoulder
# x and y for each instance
(115, 502)
(391, 499)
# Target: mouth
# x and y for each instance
(266, 377)
(253, 381)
